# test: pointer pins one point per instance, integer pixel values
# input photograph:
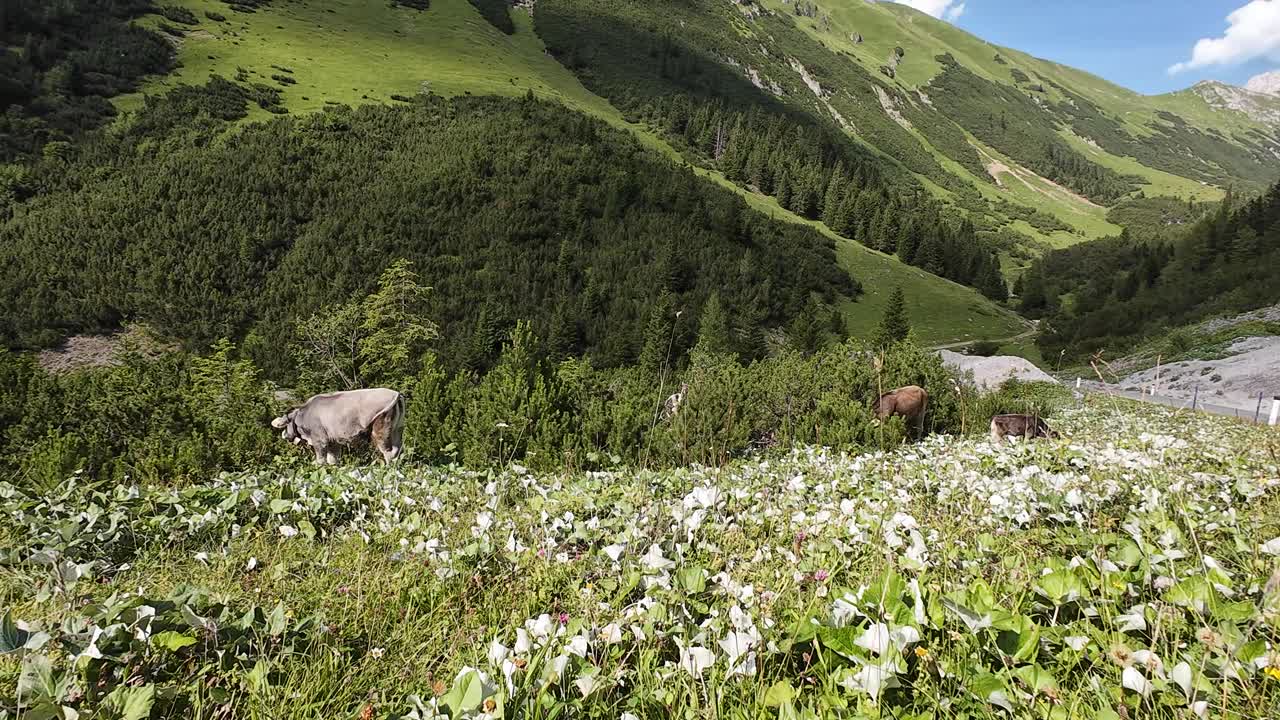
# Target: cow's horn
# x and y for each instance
(280, 422)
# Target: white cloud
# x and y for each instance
(946, 9)
(1253, 31)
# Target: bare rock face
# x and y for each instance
(1260, 106)
(990, 372)
(1267, 83)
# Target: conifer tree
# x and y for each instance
(805, 332)
(894, 326)
(396, 329)
(659, 334)
(713, 327)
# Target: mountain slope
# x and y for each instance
(870, 121)
(381, 51)
(1118, 123)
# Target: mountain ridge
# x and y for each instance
(870, 113)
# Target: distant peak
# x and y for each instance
(1267, 83)
(1257, 103)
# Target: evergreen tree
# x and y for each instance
(988, 279)
(658, 348)
(396, 329)
(562, 341)
(806, 333)
(894, 326)
(485, 337)
(909, 241)
(713, 327)
(832, 199)
(929, 255)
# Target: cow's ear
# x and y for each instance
(280, 422)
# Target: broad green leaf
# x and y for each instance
(466, 694)
(802, 631)
(692, 579)
(1194, 593)
(1251, 651)
(1060, 586)
(307, 530)
(990, 689)
(1127, 553)
(981, 597)
(276, 620)
(131, 703)
(779, 693)
(172, 641)
(885, 593)
(280, 505)
(259, 677)
(36, 681)
(972, 620)
(1022, 641)
(1236, 611)
(194, 620)
(843, 641)
(12, 639)
(1036, 677)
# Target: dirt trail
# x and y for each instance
(995, 168)
(1031, 330)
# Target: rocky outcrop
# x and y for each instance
(1259, 106)
(1266, 83)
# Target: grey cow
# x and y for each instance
(326, 421)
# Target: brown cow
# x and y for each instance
(910, 402)
(1020, 425)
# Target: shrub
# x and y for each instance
(983, 348)
(1179, 341)
(180, 15)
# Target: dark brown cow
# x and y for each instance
(909, 402)
(1020, 425)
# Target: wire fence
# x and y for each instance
(1261, 413)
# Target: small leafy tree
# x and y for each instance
(326, 349)
(894, 326)
(381, 339)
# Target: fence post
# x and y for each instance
(1195, 397)
(1275, 411)
(1258, 411)
(1077, 382)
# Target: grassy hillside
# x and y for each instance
(353, 52)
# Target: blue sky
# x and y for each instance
(1134, 43)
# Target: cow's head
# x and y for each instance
(287, 427)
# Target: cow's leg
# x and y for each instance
(331, 455)
(319, 450)
(389, 454)
(996, 435)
